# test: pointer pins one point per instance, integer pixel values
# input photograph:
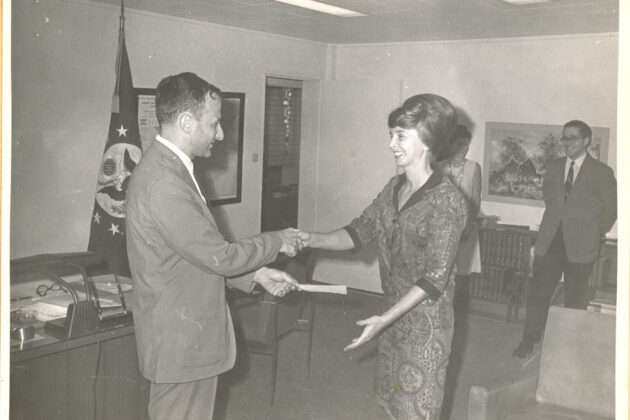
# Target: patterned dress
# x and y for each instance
(416, 246)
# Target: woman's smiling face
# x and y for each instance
(406, 145)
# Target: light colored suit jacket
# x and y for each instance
(179, 260)
(588, 213)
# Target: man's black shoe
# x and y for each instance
(523, 349)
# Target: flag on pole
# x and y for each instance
(123, 151)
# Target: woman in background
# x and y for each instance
(416, 221)
(466, 175)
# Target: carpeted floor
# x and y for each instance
(339, 386)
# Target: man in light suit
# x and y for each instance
(580, 196)
(179, 259)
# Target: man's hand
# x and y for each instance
(304, 239)
(290, 242)
(276, 282)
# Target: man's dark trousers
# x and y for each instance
(547, 273)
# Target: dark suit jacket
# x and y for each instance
(178, 260)
(588, 213)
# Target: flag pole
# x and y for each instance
(121, 39)
(107, 228)
(122, 15)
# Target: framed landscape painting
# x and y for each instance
(220, 175)
(516, 155)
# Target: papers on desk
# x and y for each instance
(107, 283)
(317, 288)
(52, 307)
(44, 311)
(55, 303)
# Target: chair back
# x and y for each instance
(577, 365)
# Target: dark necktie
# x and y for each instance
(568, 184)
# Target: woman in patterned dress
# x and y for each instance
(416, 220)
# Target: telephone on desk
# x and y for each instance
(72, 294)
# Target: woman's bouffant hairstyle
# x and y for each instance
(460, 132)
(431, 115)
(184, 92)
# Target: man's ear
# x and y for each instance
(589, 140)
(186, 122)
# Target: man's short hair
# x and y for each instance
(184, 92)
(585, 130)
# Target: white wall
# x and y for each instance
(352, 166)
(63, 78)
(548, 80)
(63, 75)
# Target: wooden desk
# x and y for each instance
(91, 377)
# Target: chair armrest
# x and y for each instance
(495, 400)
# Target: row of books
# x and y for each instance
(505, 248)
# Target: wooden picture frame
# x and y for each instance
(220, 175)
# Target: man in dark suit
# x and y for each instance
(179, 259)
(580, 196)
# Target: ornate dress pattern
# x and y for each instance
(416, 245)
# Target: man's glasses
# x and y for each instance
(570, 139)
(43, 289)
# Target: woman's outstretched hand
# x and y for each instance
(304, 239)
(373, 326)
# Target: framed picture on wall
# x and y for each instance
(516, 155)
(220, 175)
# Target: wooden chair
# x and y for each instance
(269, 330)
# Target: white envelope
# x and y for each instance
(317, 288)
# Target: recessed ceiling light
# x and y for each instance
(322, 7)
(519, 2)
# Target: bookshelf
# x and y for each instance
(505, 267)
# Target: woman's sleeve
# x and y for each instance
(445, 228)
(362, 230)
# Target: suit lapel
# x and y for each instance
(173, 161)
(585, 170)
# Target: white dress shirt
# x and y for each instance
(576, 166)
(185, 160)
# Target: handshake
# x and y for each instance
(294, 241)
(277, 282)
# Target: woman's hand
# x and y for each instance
(373, 326)
(290, 242)
(304, 239)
